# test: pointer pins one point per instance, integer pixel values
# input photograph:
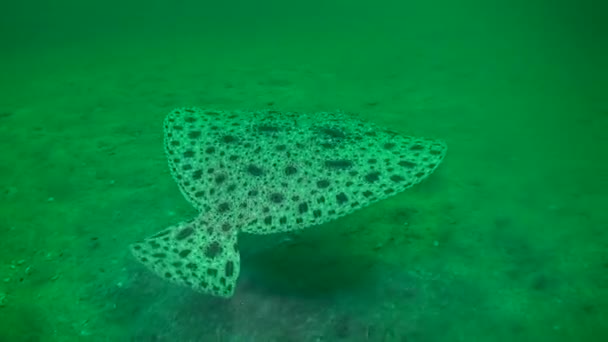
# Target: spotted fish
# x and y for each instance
(265, 172)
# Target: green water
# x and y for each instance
(506, 241)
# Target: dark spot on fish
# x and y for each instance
(194, 134)
(338, 164)
(268, 220)
(184, 233)
(213, 250)
(372, 176)
(290, 170)
(407, 164)
(221, 178)
(397, 178)
(333, 132)
(267, 128)
(198, 174)
(255, 170)
(322, 184)
(229, 271)
(228, 139)
(277, 197)
(341, 198)
(223, 207)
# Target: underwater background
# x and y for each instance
(506, 241)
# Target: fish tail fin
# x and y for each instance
(195, 255)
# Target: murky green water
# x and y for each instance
(506, 241)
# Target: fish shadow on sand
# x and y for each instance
(308, 267)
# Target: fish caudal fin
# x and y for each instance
(191, 254)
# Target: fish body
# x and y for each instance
(265, 172)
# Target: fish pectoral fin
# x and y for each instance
(191, 254)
